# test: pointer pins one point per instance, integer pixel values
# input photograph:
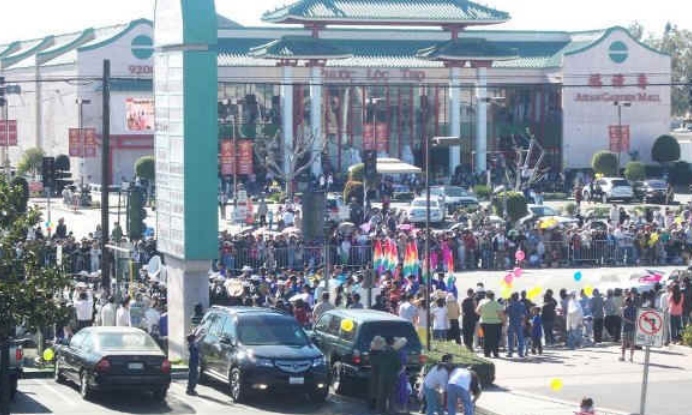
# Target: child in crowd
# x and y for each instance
(536, 331)
(586, 407)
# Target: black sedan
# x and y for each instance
(652, 191)
(113, 359)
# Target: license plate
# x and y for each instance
(296, 381)
(135, 366)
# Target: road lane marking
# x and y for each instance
(47, 384)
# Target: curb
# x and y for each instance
(47, 373)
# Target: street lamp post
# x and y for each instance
(82, 102)
(619, 105)
(437, 142)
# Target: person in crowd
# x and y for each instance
(612, 320)
(597, 306)
(516, 316)
(356, 304)
(421, 319)
(401, 391)
(438, 313)
(108, 312)
(536, 331)
(548, 316)
(193, 364)
(675, 309)
(386, 365)
(434, 384)
(322, 307)
(407, 310)
(197, 315)
(586, 407)
(453, 314)
(491, 318)
(629, 315)
(122, 318)
(469, 318)
(463, 386)
(574, 321)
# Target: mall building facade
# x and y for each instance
(348, 75)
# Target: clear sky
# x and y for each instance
(25, 19)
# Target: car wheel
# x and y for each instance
(160, 394)
(57, 374)
(339, 380)
(84, 389)
(319, 395)
(235, 380)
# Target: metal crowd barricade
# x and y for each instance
(595, 253)
(295, 258)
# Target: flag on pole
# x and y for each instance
(378, 257)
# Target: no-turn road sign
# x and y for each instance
(650, 328)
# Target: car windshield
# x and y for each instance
(618, 183)
(262, 330)
(125, 341)
(455, 192)
(437, 191)
(658, 184)
(423, 203)
(389, 330)
(543, 211)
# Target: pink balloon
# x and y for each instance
(517, 272)
(509, 278)
(520, 255)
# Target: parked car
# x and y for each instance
(416, 212)
(261, 350)
(15, 367)
(347, 351)
(542, 211)
(113, 359)
(454, 197)
(651, 191)
(607, 189)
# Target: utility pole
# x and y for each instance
(82, 138)
(105, 176)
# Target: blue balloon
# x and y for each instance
(577, 276)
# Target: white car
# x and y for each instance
(454, 197)
(542, 211)
(609, 188)
(416, 212)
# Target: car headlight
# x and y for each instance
(260, 362)
(320, 361)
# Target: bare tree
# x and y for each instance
(288, 163)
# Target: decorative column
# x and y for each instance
(454, 116)
(316, 116)
(287, 116)
(481, 144)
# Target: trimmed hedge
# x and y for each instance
(482, 191)
(516, 205)
(485, 369)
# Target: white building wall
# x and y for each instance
(589, 110)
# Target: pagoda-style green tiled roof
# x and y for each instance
(414, 12)
(468, 49)
(299, 48)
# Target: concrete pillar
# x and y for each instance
(188, 284)
(316, 117)
(454, 116)
(287, 117)
(481, 147)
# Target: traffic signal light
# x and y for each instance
(48, 172)
(3, 100)
(136, 214)
(370, 168)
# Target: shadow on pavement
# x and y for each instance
(25, 404)
(141, 403)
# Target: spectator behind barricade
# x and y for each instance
(108, 312)
(122, 318)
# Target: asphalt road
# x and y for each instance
(44, 396)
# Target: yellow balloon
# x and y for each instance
(347, 325)
(506, 292)
(534, 293)
(588, 290)
(678, 220)
(48, 355)
(556, 384)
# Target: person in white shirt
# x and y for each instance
(434, 383)
(108, 312)
(407, 310)
(462, 385)
(122, 318)
(152, 318)
(440, 323)
(84, 308)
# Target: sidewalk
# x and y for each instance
(497, 401)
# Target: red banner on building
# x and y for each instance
(82, 142)
(245, 157)
(227, 158)
(376, 137)
(8, 133)
(619, 138)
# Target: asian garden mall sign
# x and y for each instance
(143, 47)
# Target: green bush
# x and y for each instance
(355, 173)
(31, 162)
(484, 368)
(635, 170)
(516, 205)
(666, 149)
(605, 163)
(145, 167)
(555, 196)
(277, 197)
(481, 191)
(352, 189)
(571, 208)
(680, 173)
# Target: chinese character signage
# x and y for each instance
(376, 137)
(8, 133)
(598, 83)
(244, 156)
(227, 157)
(619, 138)
(82, 142)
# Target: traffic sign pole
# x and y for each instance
(645, 380)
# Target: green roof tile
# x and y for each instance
(419, 12)
(467, 49)
(299, 47)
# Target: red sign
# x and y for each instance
(82, 142)
(376, 137)
(650, 323)
(619, 138)
(245, 157)
(8, 129)
(227, 158)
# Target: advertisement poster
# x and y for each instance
(245, 157)
(619, 138)
(227, 157)
(376, 137)
(82, 142)
(139, 114)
